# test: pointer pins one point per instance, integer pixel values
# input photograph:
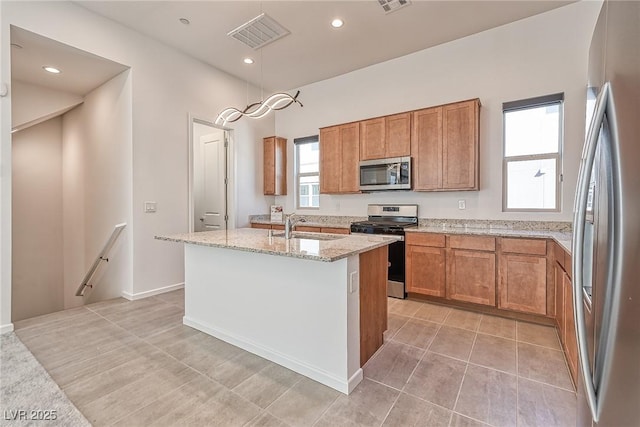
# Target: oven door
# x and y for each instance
(395, 272)
(385, 174)
(395, 278)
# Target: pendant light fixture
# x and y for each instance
(257, 33)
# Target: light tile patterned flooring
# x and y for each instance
(134, 364)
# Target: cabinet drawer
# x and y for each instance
(277, 227)
(472, 242)
(307, 228)
(425, 239)
(524, 246)
(263, 226)
(335, 230)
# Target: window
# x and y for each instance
(532, 147)
(307, 170)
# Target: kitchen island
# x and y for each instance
(315, 303)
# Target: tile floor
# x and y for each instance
(133, 363)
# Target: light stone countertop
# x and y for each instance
(562, 238)
(558, 231)
(258, 240)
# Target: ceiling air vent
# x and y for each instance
(259, 32)
(393, 5)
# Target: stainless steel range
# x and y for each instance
(390, 220)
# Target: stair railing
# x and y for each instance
(102, 256)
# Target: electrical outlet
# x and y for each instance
(462, 204)
(353, 282)
(150, 207)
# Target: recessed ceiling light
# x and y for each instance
(337, 23)
(247, 61)
(16, 45)
(51, 69)
(185, 21)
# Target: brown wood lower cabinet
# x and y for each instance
(267, 226)
(522, 283)
(570, 339)
(307, 228)
(471, 276)
(373, 301)
(335, 230)
(425, 270)
(564, 309)
(263, 226)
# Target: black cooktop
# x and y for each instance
(381, 227)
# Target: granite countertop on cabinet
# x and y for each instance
(327, 221)
(312, 246)
(563, 238)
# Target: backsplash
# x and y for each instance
(496, 224)
(329, 220)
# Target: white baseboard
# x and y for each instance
(152, 292)
(323, 377)
(5, 329)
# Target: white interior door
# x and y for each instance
(209, 178)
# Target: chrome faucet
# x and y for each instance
(289, 222)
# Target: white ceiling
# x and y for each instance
(313, 51)
(81, 71)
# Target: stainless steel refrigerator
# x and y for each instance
(606, 236)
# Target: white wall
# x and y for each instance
(97, 183)
(37, 220)
(166, 87)
(540, 55)
(33, 104)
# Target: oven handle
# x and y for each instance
(392, 236)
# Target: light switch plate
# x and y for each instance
(462, 204)
(150, 207)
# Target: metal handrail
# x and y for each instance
(102, 256)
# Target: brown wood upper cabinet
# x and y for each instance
(339, 159)
(385, 137)
(522, 283)
(275, 166)
(445, 147)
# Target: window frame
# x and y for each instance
(526, 104)
(297, 174)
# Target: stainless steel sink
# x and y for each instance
(311, 236)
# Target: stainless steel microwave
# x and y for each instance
(385, 174)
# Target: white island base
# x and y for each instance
(299, 313)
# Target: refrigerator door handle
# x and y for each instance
(580, 204)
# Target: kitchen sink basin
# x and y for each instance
(311, 236)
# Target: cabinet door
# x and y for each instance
(560, 321)
(460, 146)
(263, 226)
(307, 228)
(523, 283)
(280, 170)
(372, 139)
(471, 276)
(425, 268)
(330, 162)
(269, 147)
(335, 230)
(350, 158)
(398, 135)
(426, 148)
(571, 342)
